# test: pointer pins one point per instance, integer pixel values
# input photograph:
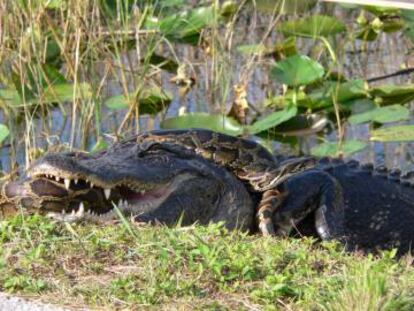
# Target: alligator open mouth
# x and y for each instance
(96, 200)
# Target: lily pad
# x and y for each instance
(186, 26)
(394, 133)
(297, 70)
(393, 94)
(342, 93)
(334, 149)
(251, 49)
(4, 132)
(161, 62)
(284, 6)
(65, 92)
(273, 119)
(218, 123)
(11, 97)
(386, 114)
(312, 26)
(151, 101)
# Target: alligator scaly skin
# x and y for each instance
(185, 171)
(366, 208)
(342, 197)
(247, 160)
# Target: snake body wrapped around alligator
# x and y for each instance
(196, 175)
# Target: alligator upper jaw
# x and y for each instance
(93, 199)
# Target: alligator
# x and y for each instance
(195, 175)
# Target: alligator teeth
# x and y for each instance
(122, 204)
(92, 184)
(67, 183)
(73, 213)
(57, 178)
(63, 212)
(75, 181)
(142, 192)
(107, 193)
(81, 210)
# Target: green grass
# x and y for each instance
(203, 268)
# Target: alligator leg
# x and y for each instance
(312, 191)
(270, 201)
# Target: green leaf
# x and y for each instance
(186, 26)
(409, 31)
(407, 15)
(394, 133)
(50, 4)
(392, 90)
(312, 26)
(65, 92)
(287, 98)
(25, 92)
(284, 6)
(55, 4)
(285, 49)
(117, 102)
(393, 94)
(11, 97)
(340, 92)
(53, 52)
(366, 33)
(4, 132)
(349, 90)
(151, 101)
(391, 26)
(273, 119)
(99, 145)
(251, 49)
(360, 105)
(40, 81)
(333, 149)
(381, 10)
(162, 62)
(52, 75)
(219, 123)
(386, 114)
(297, 70)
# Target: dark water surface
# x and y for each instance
(211, 93)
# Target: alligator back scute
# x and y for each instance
(381, 171)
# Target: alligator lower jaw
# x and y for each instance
(125, 207)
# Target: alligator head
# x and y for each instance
(154, 183)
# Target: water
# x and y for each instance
(359, 60)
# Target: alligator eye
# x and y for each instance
(146, 148)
